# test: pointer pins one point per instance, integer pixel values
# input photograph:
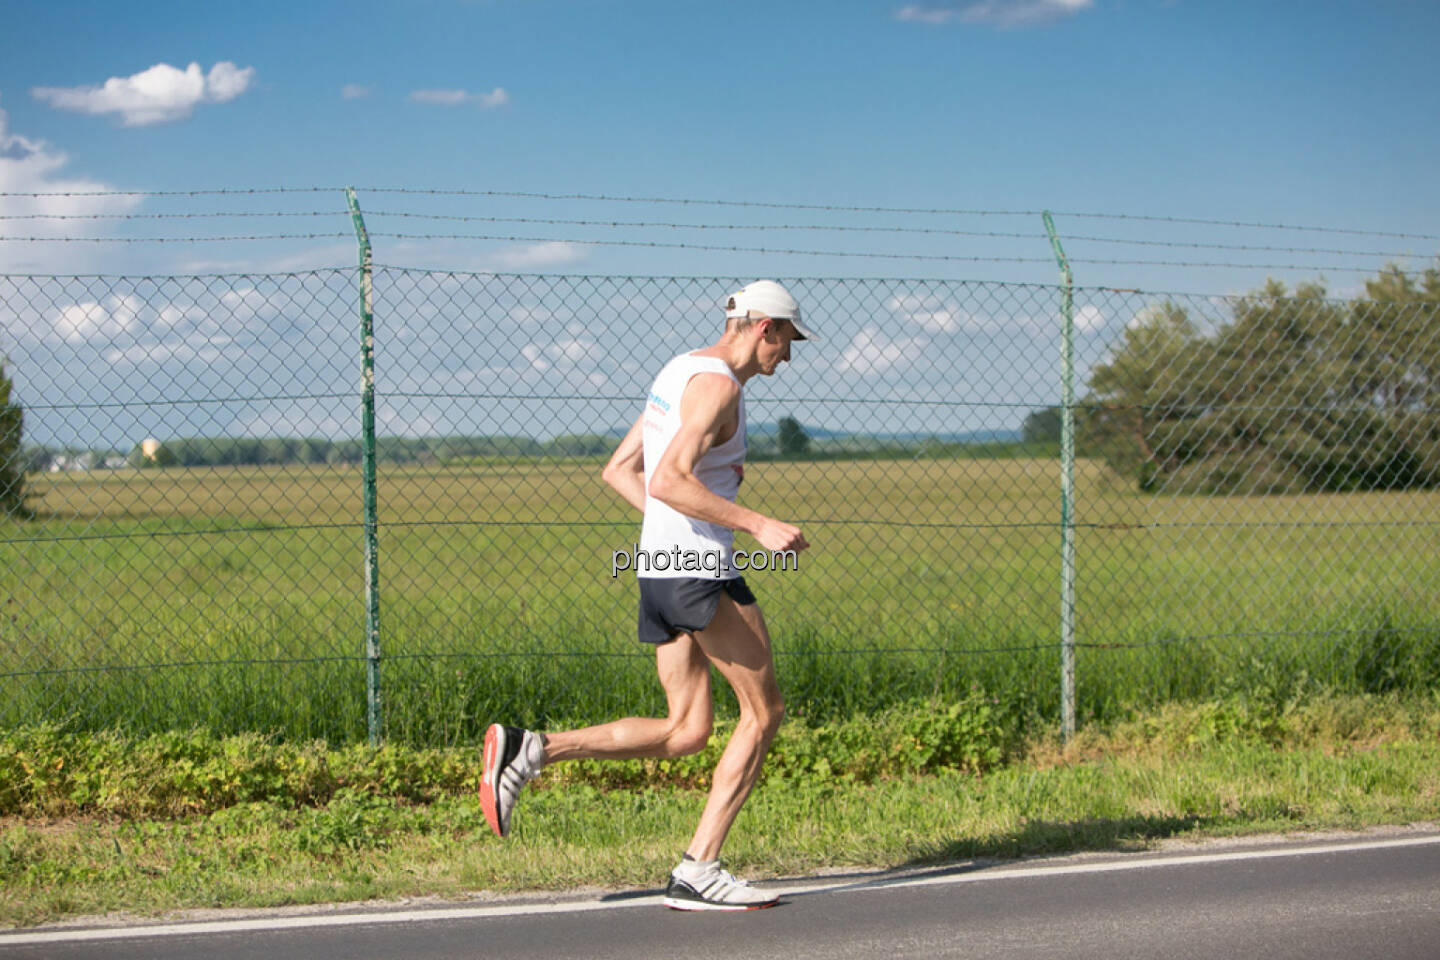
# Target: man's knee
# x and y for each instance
(777, 715)
(687, 739)
(768, 713)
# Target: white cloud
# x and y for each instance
(871, 352)
(1000, 13)
(33, 167)
(550, 254)
(562, 353)
(1089, 318)
(247, 303)
(931, 314)
(161, 94)
(536, 355)
(82, 322)
(354, 91)
(457, 98)
(919, 14)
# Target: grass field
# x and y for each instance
(233, 597)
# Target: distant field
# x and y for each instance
(138, 592)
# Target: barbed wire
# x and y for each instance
(1250, 225)
(719, 202)
(173, 216)
(1240, 247)
(713, 248)
(869, 254)
(1209, 264)
(213, 239)
(734, 227)
(240, 191)
(666, 225)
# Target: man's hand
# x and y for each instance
(777, 537)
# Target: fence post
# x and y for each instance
(1067, 486)
(367, 429)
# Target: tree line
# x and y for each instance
(1294, 393)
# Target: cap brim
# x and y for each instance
(803, 332)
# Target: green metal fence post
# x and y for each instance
(1067, 486)
(367, 428)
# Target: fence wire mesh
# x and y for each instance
(1255, 502)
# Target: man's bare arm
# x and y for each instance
(710, 401)
(626, 469)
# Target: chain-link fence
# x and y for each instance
(1255, 499)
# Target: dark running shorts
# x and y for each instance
(670, 606)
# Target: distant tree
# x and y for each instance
(1296, 392)
(13, 459)
(1042, 426)
(580, 445)
(793, 438)
(38, 459)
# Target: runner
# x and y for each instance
(681, 464)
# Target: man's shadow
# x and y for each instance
(1037, 838)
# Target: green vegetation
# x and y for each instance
(1042, 426)
(13, 463)
(792, 438)
(98, 822)
(1296, 393)
(231, 598)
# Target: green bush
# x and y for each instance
(46, 770)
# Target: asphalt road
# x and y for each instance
(1367, 896)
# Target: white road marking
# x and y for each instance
(979, 875)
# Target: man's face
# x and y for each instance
(775, 345)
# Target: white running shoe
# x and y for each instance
(512, 758)
(706, 886)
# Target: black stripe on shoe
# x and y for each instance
(514, 737)
(680, 895)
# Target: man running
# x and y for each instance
(681, 464)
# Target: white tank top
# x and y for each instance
(720, 470)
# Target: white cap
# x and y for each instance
(766, 298)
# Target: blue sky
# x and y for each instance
(1316, 113)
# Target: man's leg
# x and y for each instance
(513, 757)
(685, 675)
(738, 644)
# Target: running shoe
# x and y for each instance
(709, 887)
(513, 757)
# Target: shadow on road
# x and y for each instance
(1052, 837)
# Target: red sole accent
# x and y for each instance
(487, 785)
